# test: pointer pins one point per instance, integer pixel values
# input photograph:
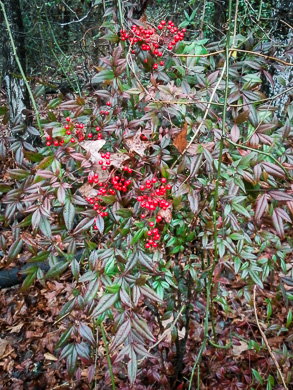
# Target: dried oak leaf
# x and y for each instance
(87, 190)
(166, 214)
(136, 145)
(180, 142)
(93, 147)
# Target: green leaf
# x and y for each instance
(28, 281)
(125, 213)
(257, 376)
(14, 250)
(137, 236)
(57, 269)
(103, 76)
(255, 278)
(59, 132)
(68, 215)
(54, 103)
(64, 338)
(111, 37)
(45, 226)
(3, 110)
(240, 209)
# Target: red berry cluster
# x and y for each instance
(154, 234)
(148, 41)
(96, 202)
(153, 201)
(76, 129)
(120, 184)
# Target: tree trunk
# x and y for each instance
(18, 96)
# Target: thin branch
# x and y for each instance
(222, 104)
(266, 342)
(21, 69)
(260, 152)
(238, 50)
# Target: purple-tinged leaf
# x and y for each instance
(140, 350)
(100, 224)
(67, 350)
(125, 298)
(71, 363)
(269, 77)
(121, 334)
(83, 225)
(132, 367)
(273, 169)
(135, 294)
(142, 325)
(257, 172)
(45, 174)
(124, 351)
(68, 215)
(193, 201)
(281, 196)
(148, 292)
(278, 224)
(261, 206)
(105, 303)
(61, 194)
(235, 133)
(282, 214)
(86, 333)
(83, 352)
(131, 262)
(92, 290)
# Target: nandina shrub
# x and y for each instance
(128, 195)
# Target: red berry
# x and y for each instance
(147, 246)
(68, 132)
(170, 22)
(146, 60)
(66, 127)
(129, 170)
(160, 27)
(102, 112)
(142, 188)
(90, 135)
(72, 140)
(163, 22)
(49, 138)
(152, 224)
(104, 167)
(168, 186)
(149, 233)
(106, 112)
(68, 119)
(170, 47)
(48, 143)
(142, 216)
(56, 143)
(98, 129)
(81, 126)
(108, 103)
(155, 66)
(155, 244)
(159, 218)
(184, 30)
(101, 162)
(154, 180)
(162, 63)
(163, 180)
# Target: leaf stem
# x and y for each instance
(108, 356)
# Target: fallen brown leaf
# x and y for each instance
(180, 142)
